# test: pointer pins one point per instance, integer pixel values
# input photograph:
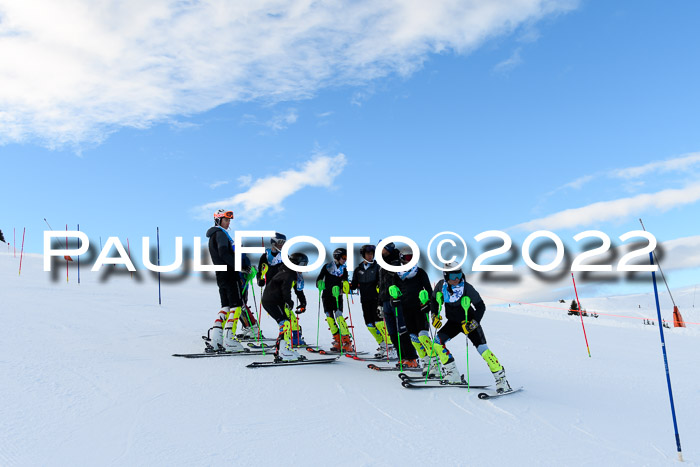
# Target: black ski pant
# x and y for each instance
(370, 311)
(330, 307)
(229, 288)
(453, 326)
(397, 330)
(275, 310)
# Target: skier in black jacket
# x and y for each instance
(366, 279)
(464, 309)
(390, 297)
(416, 292)
(231, 286)
(277, 301)
(334, 277)
(271, 260)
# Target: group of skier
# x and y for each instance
(397, 306)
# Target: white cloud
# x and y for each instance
(280, 121)
(508, 64)
(681, 163)
(616, 209)
(245, 180)
(681, 253)
(268, 193)
(217, 184)
(671, 165)
(73, 71)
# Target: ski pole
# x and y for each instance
(466, 303)
(386, 336)
(398, 336)
(346, 289)
(321, 285)
(424, 297)
(395, 293)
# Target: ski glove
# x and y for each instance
(437, 321)
(261, 282)
(380, 312)
(321, 285)
(469, 327)
(301, 309)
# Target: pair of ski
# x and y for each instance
(219, 354)
(420, 382)
(248, 352)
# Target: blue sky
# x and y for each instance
(454, 120)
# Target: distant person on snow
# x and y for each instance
(221, 248)
(464, 310)
(2, 237)
(332, 282)
(277, 301)
(366, 279)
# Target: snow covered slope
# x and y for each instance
(88, 379)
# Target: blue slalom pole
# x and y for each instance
(663, 349)
(158, 249)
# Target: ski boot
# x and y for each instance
(347, 344)
(425, 365)
(231, 344)
(285, 352)
(408, 364)
(381, 350)
(297, 339)
(213, 340)
(335, 347)
(253, 333)
(434, 368)
(451, 374)
(245, 333)
(502, 384)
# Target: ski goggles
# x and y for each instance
(225, 215)
(278, 242)
(453, 276)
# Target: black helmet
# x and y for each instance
(406, 254)
(300, 259)
(278, 240)
(452, 272)
(340, 253)
(367, 249)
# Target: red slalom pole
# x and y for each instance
(580, 313)
(22, 252)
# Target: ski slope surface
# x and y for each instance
(88, 379)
